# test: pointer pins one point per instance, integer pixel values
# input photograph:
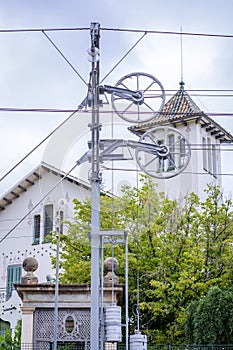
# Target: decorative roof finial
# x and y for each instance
(182, 85)
(181, 60)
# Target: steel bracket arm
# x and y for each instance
(109, 146)
(126, 94)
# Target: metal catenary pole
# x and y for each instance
(95, 190)
(57, 281)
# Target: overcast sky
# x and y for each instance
(34, 75)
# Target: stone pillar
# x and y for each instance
(73, 300)
(30, 265)
(27, 325)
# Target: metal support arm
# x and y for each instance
(109, 146)
(135, 96)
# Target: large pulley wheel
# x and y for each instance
(145, 106)
(173, 157)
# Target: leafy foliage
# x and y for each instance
(210, 320)
(9, 342)
(177, 251)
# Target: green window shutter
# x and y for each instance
(4, 326)
(14, 273)
(48, 220)
(36, 233)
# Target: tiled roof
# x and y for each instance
(179, 106)
(181, 109)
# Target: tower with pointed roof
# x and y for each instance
(205, 136)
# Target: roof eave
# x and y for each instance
(31, 178)
(199, 118)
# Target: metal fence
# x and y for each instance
(190, 347)
(49, 346)
(114, 346)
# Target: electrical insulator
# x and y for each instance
(93, 54)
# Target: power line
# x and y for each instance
(15, 219)
(25, 30)
(149, 31)
(126, 54)
(40, 110)
(43, 140)
(42, 225)
(127, 30)
(54, 110)
(63, 56)
(104, 167)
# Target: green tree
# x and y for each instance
(211, 320)
(177, 251)
(9, 342)
(193, 255)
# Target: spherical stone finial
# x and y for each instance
(111, 263)
(30, 264)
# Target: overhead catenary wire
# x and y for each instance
(183, 172)
(58, 29)
(112, 29)
(106, 111)
(73, 111)
(143, 31)
(169, 92)
(16, 219)
(42, 141)
(59, 51)
(151, 31)
(125, 55)
(25, 227)
(132, 169)
(63, 56)
(194, 147)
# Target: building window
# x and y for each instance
(182, 152)
(36, 233)
(171, 146)
(161, 160)
(48, 221)
(209, 156)
(204, 153)
(14, 273)
(4, 326)
(214, 160)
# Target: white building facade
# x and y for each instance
(28, 213)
